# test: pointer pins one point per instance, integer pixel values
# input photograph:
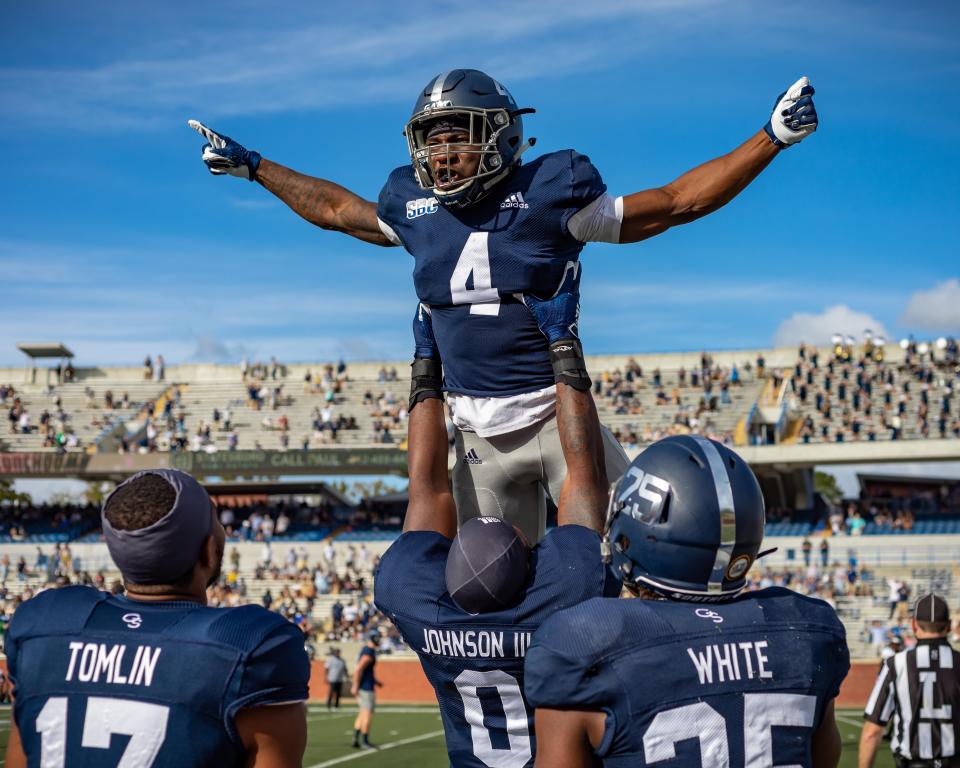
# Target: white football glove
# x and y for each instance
(223, 155)
(794, 115)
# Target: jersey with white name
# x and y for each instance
(470, 262)
(741, 683)
(102, 681)
(475, 661)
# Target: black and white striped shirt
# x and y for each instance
(920, 689)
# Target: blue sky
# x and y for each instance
(116, 241)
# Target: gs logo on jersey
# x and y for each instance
(421, 207)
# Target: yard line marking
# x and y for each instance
(383, 748)
(389, 710)
(849, 720)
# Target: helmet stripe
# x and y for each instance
(437, 93)
(728, 516)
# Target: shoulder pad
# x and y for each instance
(244, 627)
(784, 605)
(411, 573)
(61, 610)
(569, 661)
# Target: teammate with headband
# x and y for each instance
(156, 677)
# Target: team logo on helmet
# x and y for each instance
(738, 567)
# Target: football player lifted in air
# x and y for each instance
(693, 673)
(469, 602)
(156, 678)
(484, 228)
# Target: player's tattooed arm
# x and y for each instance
(714, 184)
(583, 497)
(323, 203)
(697, 192)
(431, 506)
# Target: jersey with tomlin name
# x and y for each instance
(469, 262)
(475, 662)
(737, 683)
(100, 679)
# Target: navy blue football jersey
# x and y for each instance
(100, 679)
(475, 662)
(469, 262)
(685, 684)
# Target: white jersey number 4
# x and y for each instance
(474, 259)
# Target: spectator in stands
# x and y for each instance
(148, 368)
(894, 586)
(336, 614)
(824, 553)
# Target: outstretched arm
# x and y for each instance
(714, 184)
(431, 506)
(697, 192)
(321, 202)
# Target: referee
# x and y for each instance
(920, 689)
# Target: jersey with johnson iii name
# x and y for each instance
(742, 683)
(470, 262)
(102, 681)
(475, 661)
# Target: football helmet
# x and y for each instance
(686, 520)
(471, 101)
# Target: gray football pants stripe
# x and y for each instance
(516, 471)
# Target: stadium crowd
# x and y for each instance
(293, 585)
(854, 395)
(681, 401)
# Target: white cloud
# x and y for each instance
(937, 309)
(817, 329)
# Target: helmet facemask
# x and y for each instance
(483, 128)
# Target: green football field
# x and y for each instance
(412, 737)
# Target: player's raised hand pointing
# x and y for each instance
(794, 115)
(223, 155)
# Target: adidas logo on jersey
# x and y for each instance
(472, 458)
(514, 200)
(421, 207)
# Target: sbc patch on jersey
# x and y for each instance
(421, 207)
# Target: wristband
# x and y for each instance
(566, 357)
(426, 380)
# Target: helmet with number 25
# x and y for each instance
(465, 135)
(686, 520)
